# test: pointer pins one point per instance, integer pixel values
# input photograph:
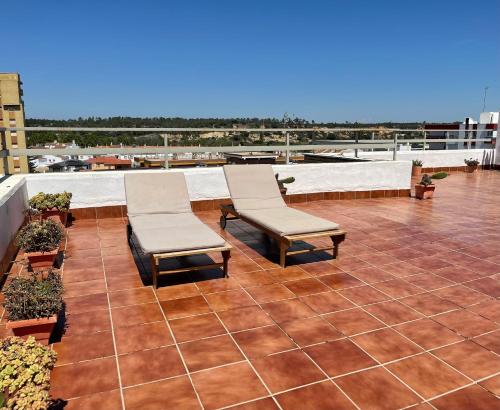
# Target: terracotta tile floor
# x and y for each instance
(409, 315)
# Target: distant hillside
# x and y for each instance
(189, 139)
(167, 122)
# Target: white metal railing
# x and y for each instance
(287, 148)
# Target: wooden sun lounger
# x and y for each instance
(286, 241)
(160, 217)
(257, 201)
(155, 259)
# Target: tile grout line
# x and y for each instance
(178, 350)
(406, 357)
(392, 299)
(387, 326)
(405, 337)
(382, 365)
(299, 348)
(120, 384)
(242, 352)
(371, 331)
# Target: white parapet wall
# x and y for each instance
(106, 188)
(437, 158)
(13, 204)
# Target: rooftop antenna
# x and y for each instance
(484, 98)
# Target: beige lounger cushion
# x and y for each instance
(156, 193)
(289, 221)
(160, 213)
(163, 233)
(256, 196)
(253, 187)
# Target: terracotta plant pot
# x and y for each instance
(56, 215)
(40, 329)
(424, 191)
(39, 260)
(416, 171)
(470, 168)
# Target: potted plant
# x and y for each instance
(25, 367)
(33, 304)
(282, 182)
(40, 240)
(416, 168)
(52, 206)
(425, 188)
(472, 165)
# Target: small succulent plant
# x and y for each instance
(25, 367)
(427, 179)
(40, 236)
(471, 162)
(439, 175)
(34, 297)
(283, 181)
(43, 201)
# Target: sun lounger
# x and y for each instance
(256, 199)
(160, 217)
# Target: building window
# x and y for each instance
(12, 107)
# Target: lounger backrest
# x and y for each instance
(253, 187)
(156, 193)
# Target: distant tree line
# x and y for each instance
(189, 139)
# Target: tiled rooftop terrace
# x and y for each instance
(409, 315)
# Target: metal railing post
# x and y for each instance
(165, 144)
(287, 148)
(356, 149)
(425, 140)
(395, 150)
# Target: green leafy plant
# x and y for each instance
(471, 162)
(439, 175)
(283, 181)
(417, 163)
(25, 367)
(44, 202)
(40, 236)
(34, 297)
(427, 179)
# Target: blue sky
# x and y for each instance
(335, 60)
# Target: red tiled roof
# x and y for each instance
(109, 161)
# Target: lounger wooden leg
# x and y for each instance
(225, 256)
(129, 234)
(336, 242)
(223, 221)
(283, 249)
(154, 271)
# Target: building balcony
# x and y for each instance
(407, 315)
